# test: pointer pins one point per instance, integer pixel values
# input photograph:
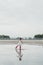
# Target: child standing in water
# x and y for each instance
(19, 46)
(19, 43)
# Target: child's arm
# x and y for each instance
(21, 42)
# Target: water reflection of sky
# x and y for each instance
(32, 55)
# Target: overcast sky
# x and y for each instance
(21, 17)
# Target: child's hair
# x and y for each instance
(20, 38)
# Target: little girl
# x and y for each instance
(19, 46)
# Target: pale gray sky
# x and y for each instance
(21, 17)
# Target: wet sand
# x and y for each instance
(31, 42)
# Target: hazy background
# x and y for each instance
(21, 17)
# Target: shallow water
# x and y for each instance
(32, 55)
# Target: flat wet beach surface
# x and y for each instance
(31, 42)
(32, 54)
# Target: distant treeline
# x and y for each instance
(38, 36)
(4, 37)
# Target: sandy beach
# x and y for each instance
(30, 42)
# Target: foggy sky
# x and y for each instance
(21, 17)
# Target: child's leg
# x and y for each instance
(16, 46)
